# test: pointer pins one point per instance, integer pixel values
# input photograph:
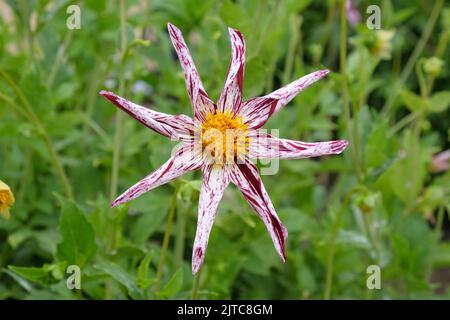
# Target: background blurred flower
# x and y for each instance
(353, 15)
(142, 88)
(440, 161)
(6, 199)
(382, 47)
(433, 66)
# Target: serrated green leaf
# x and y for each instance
(120, 275)
(78, 238)
(173, 286)
(143, 280)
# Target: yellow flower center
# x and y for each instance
(6, 201)
(224, 137)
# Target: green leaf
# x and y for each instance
(440, 101)
(306, 279)
(173, 286)
(47, 274)
(18, 237)
(414, 102)
(78, 238)
(255, 70)
(353, 239)
(154, 210)
(120, 275)
(234, 15)
(143, 280)
(375, 150)
(20, 280)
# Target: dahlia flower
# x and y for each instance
(221, 139)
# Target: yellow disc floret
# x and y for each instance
(224, 137)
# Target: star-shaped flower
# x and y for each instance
(221, 139)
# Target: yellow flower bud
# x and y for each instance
(382, 46)
(433, 66)
(6, 199)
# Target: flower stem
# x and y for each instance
(166, 240)
(327, 31)
(422, 42)
(266, 29)
(332, 247)
(345, 94)
(437, 233)
(440, 51)
(402, 123)
(413, 153)
(296, 22)
(342, 64)
(59, 58)
(33, 118)
(345, 97)
(196, 285)
(180, 233)
(330, 257)
(416, 53)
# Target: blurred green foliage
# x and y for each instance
(381, 202)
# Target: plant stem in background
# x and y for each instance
(90, 101)
(266, 29)
(118, 136)
(26, 14)
(324, 39)
(345, 94)
(403, 122)
(296, 22)
(414, 147)
(11, 102)
(332, 246)
(421, 78)
(440, 51)
(415, 54)
(35, 121)
(59, 58)
(414, 155)
(181, 231)
(337, 224)
(257, 20)
(166, 239)
(330, 257)
(27, 177)
(422, 42)
(437, 238)
(118, 122)
(342, 66)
